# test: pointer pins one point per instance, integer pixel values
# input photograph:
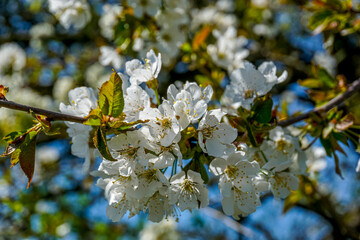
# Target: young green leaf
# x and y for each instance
(202, 169)
(262, 109)
(101, 144)
(94, 118)
(326, 78)
(111, 100)
(14, 140)
(15, 157)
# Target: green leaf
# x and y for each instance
(310, 83)
(27, 155)
(12, 136)
(101, 144)
(251, 135)
(326, 78)
(15, 157)
(320, 18)
(202, 169)
(337, 165)
(111, 100)
(262, 109)
(120, 125)
(327, 146)
(14, 139)
(94, 118)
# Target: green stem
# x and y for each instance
(157, 96)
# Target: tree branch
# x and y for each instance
(56, 116)
(229, 222)
(352, 89)
(52, 116)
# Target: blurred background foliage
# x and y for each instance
(299, 36)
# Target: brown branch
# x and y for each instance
(56, 116)
(229, 222)
(52, 116)
(352, 89)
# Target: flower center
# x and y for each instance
(188, 186)
(150, 175)
(143, 2)
(166, 123)
(130, 151)
(282, 145)
(249, 94)
(166, 37)
(231, 171)
(208, 131)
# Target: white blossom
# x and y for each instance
(61, 87)
(234, 171)
(82, 100)
(216, 138)
(163, 123)
(315, 159)
(109, 19)
(190, 103)
(149, 7)
(119, 193)
(247, 83)
(229, 51)
(136, 100)
(211, 15)
(110, 57)
(129, 149)
(142, 72)
(188, 191)
(74, 13)
(236, 183)
(164, 230)
(168, 41)
(166, 156)
(325, 60)
(282, 183)
(282, 149)
(12, 57)
(42, 30)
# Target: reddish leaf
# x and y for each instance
(3, 91)
(345, 122)
(200, 37)
(27, 156)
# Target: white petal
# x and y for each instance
(218, 166)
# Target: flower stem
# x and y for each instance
(157, 96)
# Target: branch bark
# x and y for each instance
(352, 89)
(52, 116)
(56, 116)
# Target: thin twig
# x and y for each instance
(352, 89)
(52, 116)
(229, 222)
(310, 144)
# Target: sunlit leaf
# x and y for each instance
(111, 100)
(94, 118)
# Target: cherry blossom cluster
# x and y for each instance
(150, 174)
